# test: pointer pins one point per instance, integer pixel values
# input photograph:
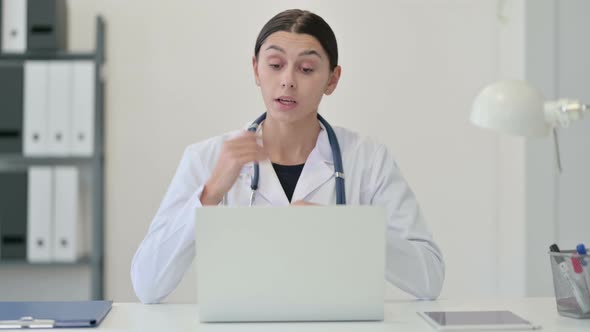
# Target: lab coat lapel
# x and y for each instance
(318, 168)
(269, 185)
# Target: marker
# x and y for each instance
(577, 265)
(581, 295)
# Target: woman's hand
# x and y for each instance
(235, 153)
(303, 203)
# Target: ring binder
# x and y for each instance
(25, 315)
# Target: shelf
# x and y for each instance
(15, 161)
(20, 159)
(98, 55)
(85, 261)
(10, 162)
(49, 55)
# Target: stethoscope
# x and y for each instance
(338, 169)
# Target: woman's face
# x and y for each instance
(293, 72)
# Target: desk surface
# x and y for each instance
(399, 316)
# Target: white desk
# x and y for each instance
(400, 316)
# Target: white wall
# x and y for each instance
(574, 81)
(510, 187)
(557, 204)
(44, 283)
(540, 180)
(179, 71)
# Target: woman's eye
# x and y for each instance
(307, 70)
(275, 66)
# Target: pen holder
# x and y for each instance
(571, 281)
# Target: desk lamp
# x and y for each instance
(517, 108)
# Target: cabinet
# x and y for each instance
(75, 151)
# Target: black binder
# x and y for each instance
(13, 215)
(11, 106)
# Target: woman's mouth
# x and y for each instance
(285, 103)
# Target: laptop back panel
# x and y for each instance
(290, 264)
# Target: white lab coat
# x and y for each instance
(414, 262)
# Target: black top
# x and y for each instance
(288, 176)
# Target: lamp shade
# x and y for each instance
(513, 107)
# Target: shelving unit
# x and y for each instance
(95, 163)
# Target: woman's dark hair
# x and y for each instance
(301, 21)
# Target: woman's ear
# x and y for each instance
(333, 82)
(255, 67)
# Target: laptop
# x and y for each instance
(290, 263)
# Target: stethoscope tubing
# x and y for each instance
(336, 155)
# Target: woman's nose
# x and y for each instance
(288, 80)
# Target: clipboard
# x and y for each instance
(41, 314)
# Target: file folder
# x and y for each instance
(59, 102)
(53, 314)
(83, 108)
(14, 26)
(40, 214)
(36, 117)
(46, 25)
(11, 106)
(69, 215)
(13, 215)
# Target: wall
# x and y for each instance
(557, 206)
(541, 175)
(180, 71)
(573, 81)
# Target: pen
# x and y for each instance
(581, 249)
(580, 295)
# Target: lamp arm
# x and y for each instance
(562, 112)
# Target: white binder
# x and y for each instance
(35, 124)
(59, 102)
(40, 214)
(70, 217)
(14, 26)
(83, 108)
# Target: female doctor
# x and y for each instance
(295, 63)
